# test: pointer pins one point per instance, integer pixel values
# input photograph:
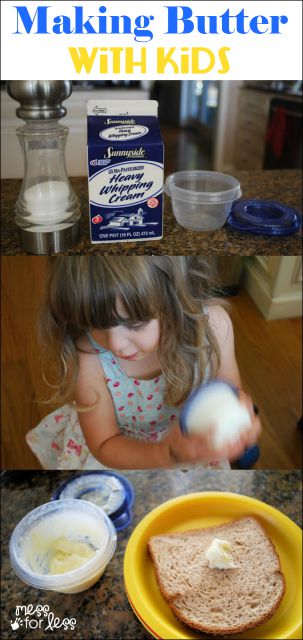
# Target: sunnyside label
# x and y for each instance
(125, 171)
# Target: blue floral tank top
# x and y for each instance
(139, 404)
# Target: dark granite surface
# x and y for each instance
(103, 611)
(280, 185)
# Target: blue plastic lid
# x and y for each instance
(107, 489)
(264, 217)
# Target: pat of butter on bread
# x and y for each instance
(219, 555)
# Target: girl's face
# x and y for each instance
(130, 342)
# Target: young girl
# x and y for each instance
(134, 336)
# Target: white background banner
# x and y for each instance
(147, 40)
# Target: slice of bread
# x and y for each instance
(219, 601)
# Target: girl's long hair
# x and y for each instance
(81, 295)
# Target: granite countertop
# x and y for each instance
(280, 185)
(103, 611)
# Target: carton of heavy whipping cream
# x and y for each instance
(125, 170)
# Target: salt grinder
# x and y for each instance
(47, 209)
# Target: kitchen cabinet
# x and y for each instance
(275, 284)
(254, 114)
(252, 122)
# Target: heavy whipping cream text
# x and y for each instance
(131, 185)
(125, 178)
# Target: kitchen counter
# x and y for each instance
(103, 611)
(281, 185)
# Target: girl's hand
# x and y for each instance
(235, 448)
(191, 448)
(251, 435)
(195, 448)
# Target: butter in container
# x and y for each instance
(63, 546)
(106, 489)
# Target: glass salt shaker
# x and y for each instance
(47, 209)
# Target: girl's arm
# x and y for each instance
(222, 328)
(104, 439)
(99, 424)
(221, 325)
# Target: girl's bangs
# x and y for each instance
(136, 295)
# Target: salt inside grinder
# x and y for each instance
(47, 209)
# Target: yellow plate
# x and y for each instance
(203, 510)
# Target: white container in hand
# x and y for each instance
(215, 405)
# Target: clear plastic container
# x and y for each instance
(202, 200)
(76, 526)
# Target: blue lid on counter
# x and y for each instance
(107, 489)
(264, 217)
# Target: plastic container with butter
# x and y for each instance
(63, 546)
